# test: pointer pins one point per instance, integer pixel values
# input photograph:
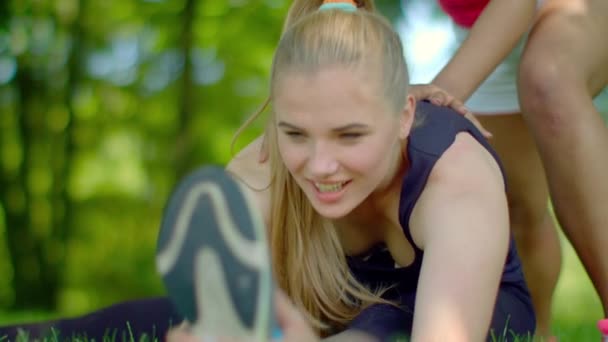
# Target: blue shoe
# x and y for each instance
(214, 259)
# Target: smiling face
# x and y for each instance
(338, 136)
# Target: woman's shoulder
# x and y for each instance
(466, 162)
(247, 168)
(465, 173)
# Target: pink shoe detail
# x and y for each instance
(602, 325)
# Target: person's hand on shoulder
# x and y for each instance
(440, 97)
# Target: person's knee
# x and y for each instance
(538, 79)
(543, 85)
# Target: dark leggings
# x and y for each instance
(153, 317)
(513, 317)
(127, 321)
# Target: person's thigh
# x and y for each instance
(571, 36)
(383, 322)
(513, 314)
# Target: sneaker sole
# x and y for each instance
(213, 257)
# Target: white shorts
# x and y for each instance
(498, 93)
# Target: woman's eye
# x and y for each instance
(350, 135)
(294, 134)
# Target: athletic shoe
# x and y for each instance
(213, 257)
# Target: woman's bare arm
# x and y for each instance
(495, 33)
(461, 221)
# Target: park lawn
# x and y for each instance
(576, 308)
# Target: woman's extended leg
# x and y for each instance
(129, 320)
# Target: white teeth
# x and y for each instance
(329, 187)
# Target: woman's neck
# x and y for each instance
(379, 212)
(384, 201)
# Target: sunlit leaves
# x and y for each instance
(112, 168)
(8, 69)
(102, 100)
(208, 68)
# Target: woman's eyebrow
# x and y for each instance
(351, 126)
(288, 125)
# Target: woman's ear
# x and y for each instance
(407, 117)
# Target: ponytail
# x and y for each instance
(301, 8)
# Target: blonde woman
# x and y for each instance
(385, 216)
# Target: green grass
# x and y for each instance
(576, 307)
(576, 310)
(125, 335)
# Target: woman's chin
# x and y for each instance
(332, 211)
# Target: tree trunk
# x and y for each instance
(37, 247)
(183, 147)
(31, 284)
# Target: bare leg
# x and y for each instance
(532, 226)
(564, 64)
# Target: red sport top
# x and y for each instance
(463, 12)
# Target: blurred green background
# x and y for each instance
(105, 104)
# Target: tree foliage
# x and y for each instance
(103, 106)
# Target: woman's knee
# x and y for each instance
(540, 71)
(545, 84)
(557, 69)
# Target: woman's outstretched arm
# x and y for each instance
(461, 222)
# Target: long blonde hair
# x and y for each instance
(309, 262)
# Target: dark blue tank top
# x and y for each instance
(435, 132)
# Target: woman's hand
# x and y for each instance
(181, 334)
(440, 97)
(294, 327)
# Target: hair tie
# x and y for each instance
(344, 5)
